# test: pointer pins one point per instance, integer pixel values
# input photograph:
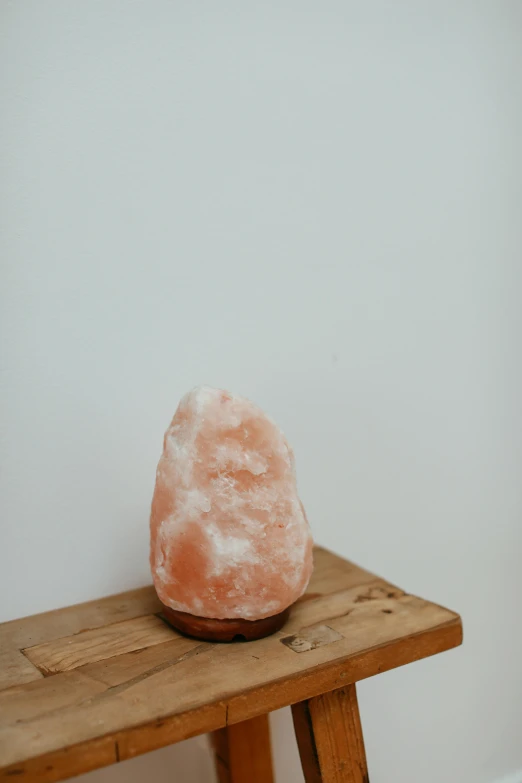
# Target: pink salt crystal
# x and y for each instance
(229, 535)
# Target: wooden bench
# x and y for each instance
(104, 681)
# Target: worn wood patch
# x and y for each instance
(311, 638)
(62, 655)
(17, 635)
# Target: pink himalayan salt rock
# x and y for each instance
(229, 535)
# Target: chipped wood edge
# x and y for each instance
(119, 746)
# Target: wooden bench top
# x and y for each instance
(96, 683)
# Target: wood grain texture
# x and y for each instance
(62, 655)
(38, 629)
(330, 740)
(243, 753)
(112, 703)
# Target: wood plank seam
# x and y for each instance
(95, 645)
(124, 686)
(112, 690)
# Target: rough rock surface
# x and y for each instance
(229, 535)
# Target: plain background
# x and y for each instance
(316, 205)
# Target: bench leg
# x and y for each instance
(329, 737)
(242, 752)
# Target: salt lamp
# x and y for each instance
(231, 549)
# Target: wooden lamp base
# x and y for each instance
(213, 630)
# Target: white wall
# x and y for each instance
(317, 205)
